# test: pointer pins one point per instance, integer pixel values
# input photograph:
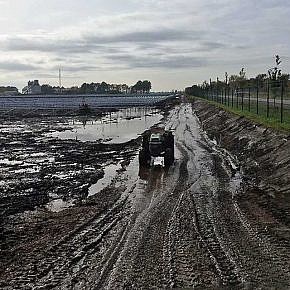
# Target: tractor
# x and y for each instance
(157, 148)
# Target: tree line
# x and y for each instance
(8, 89)
(274, 77)
(99, 88)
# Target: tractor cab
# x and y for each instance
(157, 148)
(156, 144)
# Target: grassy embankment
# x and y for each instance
(274, 114)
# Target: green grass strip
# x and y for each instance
(272, 122)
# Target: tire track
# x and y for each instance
(169, 250)
(203, 223)
(65, 259)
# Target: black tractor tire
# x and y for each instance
(172, 149)
(170, 143)
(145, 141)
(143, 157)
(168, 157)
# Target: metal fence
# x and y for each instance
(270, 99)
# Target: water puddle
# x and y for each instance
(236, 183)
(116, 127)
(59, 204)
(6, 161)
(110, 172)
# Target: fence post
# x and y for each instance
(257, 98)
(226, 98)
(268, 97)
(217, 89)
(210, 89)
(237, 96)
(215, 94)
(242, 99)
(282, 97)
(226, 95)
(275, 86)
(249, 104)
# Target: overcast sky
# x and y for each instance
(173, 43)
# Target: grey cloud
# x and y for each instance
(94, 43)
(58, 47)
(160, 62)
(149, 36)
(16, 66)
(272, 4)
(197, 46)
(48, 45)
(79, 68)
(212, 45)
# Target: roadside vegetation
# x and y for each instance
(264, 99)
(270, 122)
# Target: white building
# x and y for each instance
(33, 88)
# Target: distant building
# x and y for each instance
(33, 88)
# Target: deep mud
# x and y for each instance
(263, 154)
(212, 220)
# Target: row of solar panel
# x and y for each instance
(74, 102)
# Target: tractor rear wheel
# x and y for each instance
(168, 157)
(143, 157)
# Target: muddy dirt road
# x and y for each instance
(182, 227)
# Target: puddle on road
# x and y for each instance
(59, 204)
(236, 183)
(6, 161)
(115, 127)
(110, 172)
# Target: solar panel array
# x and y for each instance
(73, 102)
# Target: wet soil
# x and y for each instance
(263, 154)
(211, 220)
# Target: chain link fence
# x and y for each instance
(269, 99)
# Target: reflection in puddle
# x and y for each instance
(6, 161)
(58, 205)
(110, 172)
(116, 127)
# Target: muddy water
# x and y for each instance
(110, 172)
(43, 164)
(57, 205)
(116, 127)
